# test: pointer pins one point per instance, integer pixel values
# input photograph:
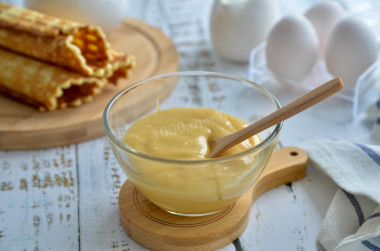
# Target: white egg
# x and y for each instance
(292, 48)
(351, 48)
(324, 16)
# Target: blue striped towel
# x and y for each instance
(352, 221)
(374, 114)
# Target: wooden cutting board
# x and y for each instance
(23, 127)
(157, 229)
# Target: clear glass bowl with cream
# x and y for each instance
(158, 131)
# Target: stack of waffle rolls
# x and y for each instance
(53, 63)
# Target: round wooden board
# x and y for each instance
(23, 127)
(157, 229)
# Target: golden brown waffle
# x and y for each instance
(81, 48)
(120, 66)
(44, 85)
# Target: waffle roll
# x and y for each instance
(121, 64)
(78, 47)
(45, 86)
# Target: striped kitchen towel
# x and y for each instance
(352, 221)
(374, 114)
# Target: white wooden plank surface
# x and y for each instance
(38, 199)
(99, 186)
(288, 218)
(65, 198)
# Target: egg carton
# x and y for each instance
(359, 95)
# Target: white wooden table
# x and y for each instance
(66, 198)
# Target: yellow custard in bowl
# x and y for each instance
(164, 153)
(182, 134)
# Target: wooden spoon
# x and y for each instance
(219, 145)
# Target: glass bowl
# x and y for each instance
(191, 187)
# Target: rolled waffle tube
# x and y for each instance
(43, 85)
(81, 48)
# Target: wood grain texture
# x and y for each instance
(38, 199)
(101, 179)
(157, 229)
(23, 127)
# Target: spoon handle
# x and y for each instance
(311, 98)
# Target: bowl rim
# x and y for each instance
(274, 134)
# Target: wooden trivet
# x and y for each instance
(157, 229)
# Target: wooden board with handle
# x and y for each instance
(23, 127)
(157, 229)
